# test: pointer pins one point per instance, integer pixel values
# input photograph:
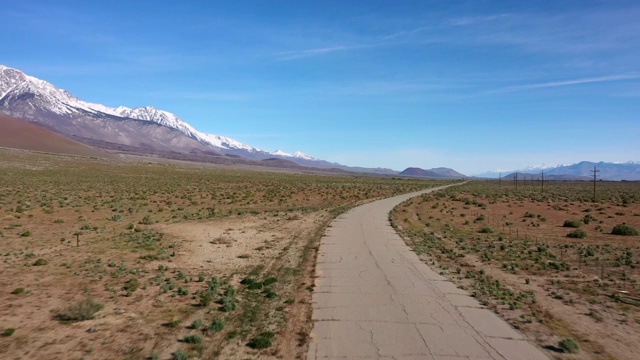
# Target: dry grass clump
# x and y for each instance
(82, 310)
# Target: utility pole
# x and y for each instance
(516, 179)
(595, 174)
(500, 180)
(543, 181)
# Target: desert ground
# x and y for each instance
(545, 259)
(133, 259)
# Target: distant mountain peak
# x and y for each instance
(440, 172)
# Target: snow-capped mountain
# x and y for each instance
(629, 170)
(38, 101)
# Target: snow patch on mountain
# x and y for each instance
(295, 155)
(542, 167)
(227, 143)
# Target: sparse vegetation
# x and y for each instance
(529, 264)
(261, 341)
(577, 234)
(572, 223)
(192, 339)
(40, 262)
(216, 326)
(569, 346)
(109, 228)
(625, 230)
(80, 311)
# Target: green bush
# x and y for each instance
(8, 332)
(577, 234)
(486, 230)
(192, 339)
(40, 262)
(179, 355)
(18, 291)
(196, 324)
(217, 325)
(261, 341)
(80, 311)
(569, 346)
(131, 285)
(207, 297)
(624, 229)
(572, 223)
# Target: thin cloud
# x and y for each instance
(405, 33)
(554, 84)
(297, 54)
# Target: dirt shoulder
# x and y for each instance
(511, 251)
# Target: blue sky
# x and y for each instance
(472, 85)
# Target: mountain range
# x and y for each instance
(145, 130)
(583, 170)
(149, 131)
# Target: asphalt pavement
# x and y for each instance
(374, 299)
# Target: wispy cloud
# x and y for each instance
(297, 54)
(473, 20)
(554, 84)
(405, 33)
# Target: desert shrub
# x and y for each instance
(577, 234)
(25, 233)
(182, 291)
(217, 325)
(179, 355)
(80, 311)
(228, 304)
(40, 262)
(196, 324)
(131, 285)
(207, 297)
(572, 223)
(569, 346)
(18, 291)
(270, 281)
(261, 341)
(8, 332)
(624, 229)
(146, 220)
(251, 283)
(486, 230)
(192, 339)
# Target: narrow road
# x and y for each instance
(374, 299)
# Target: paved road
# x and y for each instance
(374, 299)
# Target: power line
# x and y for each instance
(595, 174)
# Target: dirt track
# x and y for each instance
(375, 299)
